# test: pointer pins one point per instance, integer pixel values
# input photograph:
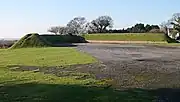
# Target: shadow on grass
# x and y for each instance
(31, 92)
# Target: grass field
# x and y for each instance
(127, 37)
(37, 87)
(31, 86)
(43, 57)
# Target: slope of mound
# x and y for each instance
(31, 40)
(36, 40)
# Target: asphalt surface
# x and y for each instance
(138, 65)
(160, 57)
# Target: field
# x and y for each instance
(154, 37)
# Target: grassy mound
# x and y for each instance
(127, 37)
(31, 40)
(36, 40)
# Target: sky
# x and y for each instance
(20, 17)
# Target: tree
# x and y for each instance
(175, 21)
(91, 28)
(101, 24)
(54, 30)
(138, 28)
(148, 28)
(171, 28)
(76, 26)
(152, 28)
(63, 30)
(155, 27)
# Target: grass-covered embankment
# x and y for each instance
(154, 37)
(38, 41)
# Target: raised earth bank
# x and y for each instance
(36, 40)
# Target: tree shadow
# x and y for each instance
(34, 92)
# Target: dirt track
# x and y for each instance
(137, 65)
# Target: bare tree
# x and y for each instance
(172, 28)
(63, 30)
(76, 26)
(175, 21)
(91, 28)
(54, 30)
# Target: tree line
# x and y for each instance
(138, 28)
(102, 24)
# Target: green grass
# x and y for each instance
(44, 57)
(31, 40)
(38, 87)
(29, 86)
(127, 37)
